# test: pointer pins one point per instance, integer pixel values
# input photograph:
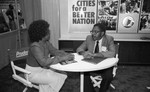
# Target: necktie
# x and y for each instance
(97, 47)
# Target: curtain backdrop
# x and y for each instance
(31, 10)
(50, 13)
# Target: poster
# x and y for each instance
(82, 15)
(144, 26)
(107, 12)
(129, 13)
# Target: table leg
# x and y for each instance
(81, 82)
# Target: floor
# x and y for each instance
(129, 78)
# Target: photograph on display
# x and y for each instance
(129, 13)
(107, 11)
(130, 6)
(145, 17)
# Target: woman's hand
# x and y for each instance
(61, 53)
(67, 57)
(70, 57)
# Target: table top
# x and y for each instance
(82, 66)
(121, 39)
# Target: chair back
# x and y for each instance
(15, 55)
(18, 54)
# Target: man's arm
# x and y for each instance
(81, 49)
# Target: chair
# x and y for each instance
(22, 76)
(97, 79)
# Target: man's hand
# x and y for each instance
(88, 55)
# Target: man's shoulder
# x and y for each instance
(89, 37)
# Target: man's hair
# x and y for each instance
(101, 26)
(37, 30)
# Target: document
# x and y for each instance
(93, 60)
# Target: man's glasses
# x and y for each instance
(94, 32)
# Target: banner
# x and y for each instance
(82, 15)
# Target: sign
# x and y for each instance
(82, 15)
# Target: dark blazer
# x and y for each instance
(107, 43)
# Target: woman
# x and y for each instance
(39, 59)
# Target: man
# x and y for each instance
(10, 13)
(106, 49)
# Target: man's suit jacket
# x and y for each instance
(107, 45)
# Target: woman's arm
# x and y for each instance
(54, 51)
(43, 60)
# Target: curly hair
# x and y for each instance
(37, 30)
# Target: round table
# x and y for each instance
(82, 66)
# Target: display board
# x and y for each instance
(107, 12)
(119, 16)
(129, 16)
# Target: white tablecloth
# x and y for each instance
(82, 66)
